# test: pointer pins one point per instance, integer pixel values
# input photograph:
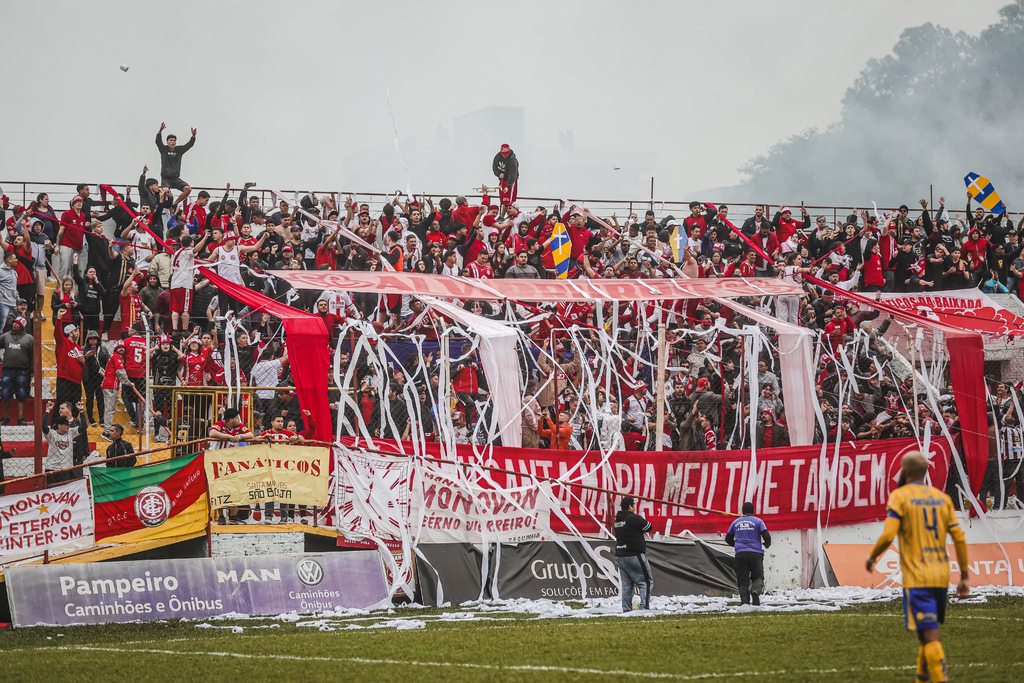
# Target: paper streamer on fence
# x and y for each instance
(454, 511)
(967, 356)
(501, 367)
(372, 505)
(398, 152)
(58, 517)
(265, 473)
(796, 366)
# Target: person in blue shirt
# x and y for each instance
(750, 537)
(992, 285)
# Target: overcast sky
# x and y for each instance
(281, 91)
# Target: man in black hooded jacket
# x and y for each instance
(506, 169)
(631, 555)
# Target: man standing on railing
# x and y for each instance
(506, 167)
(170, 162)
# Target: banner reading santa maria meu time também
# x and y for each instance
(265, 473)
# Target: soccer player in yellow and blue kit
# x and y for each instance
(922, 516)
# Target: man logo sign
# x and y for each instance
(310, 572)
(152, 506)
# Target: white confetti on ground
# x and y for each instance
(410, 617)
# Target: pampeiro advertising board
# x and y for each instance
(149, 590)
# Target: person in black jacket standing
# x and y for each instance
(631, 555)
(506, 168)
(170, 162)
(118, 447)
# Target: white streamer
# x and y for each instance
(398, 152)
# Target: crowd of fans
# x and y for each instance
(128, 264)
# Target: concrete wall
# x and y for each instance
(234, 545)
(791, 561)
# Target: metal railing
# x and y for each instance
(60, 194)
(194, 409)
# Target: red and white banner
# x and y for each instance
(787, 491)
(447, 287)
(969, 309)
(58, 517)
(454, 511)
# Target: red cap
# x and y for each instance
(702, 382)
(505, 149)
(229, 236)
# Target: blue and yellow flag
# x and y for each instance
(982, 191)
(561, 248)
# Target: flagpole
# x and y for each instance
(659, 437)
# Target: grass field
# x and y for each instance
(866, 642)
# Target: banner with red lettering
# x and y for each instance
(58, 517)
(268, 472)
(447, 287)
(449, 509)
(788, 486)
(969, 309)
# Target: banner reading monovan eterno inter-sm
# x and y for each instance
(266, 473)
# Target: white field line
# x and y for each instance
(523, 667)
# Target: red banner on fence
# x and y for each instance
(786, 488)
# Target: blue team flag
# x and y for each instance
(561, 247)
(982, 191)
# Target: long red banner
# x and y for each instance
(536, 290)
(786, 488)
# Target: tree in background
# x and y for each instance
(940, 105)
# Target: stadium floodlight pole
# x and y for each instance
(659, 436)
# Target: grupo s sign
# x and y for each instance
(566, 571)
(173, 589)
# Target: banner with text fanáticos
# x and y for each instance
(264, 473)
